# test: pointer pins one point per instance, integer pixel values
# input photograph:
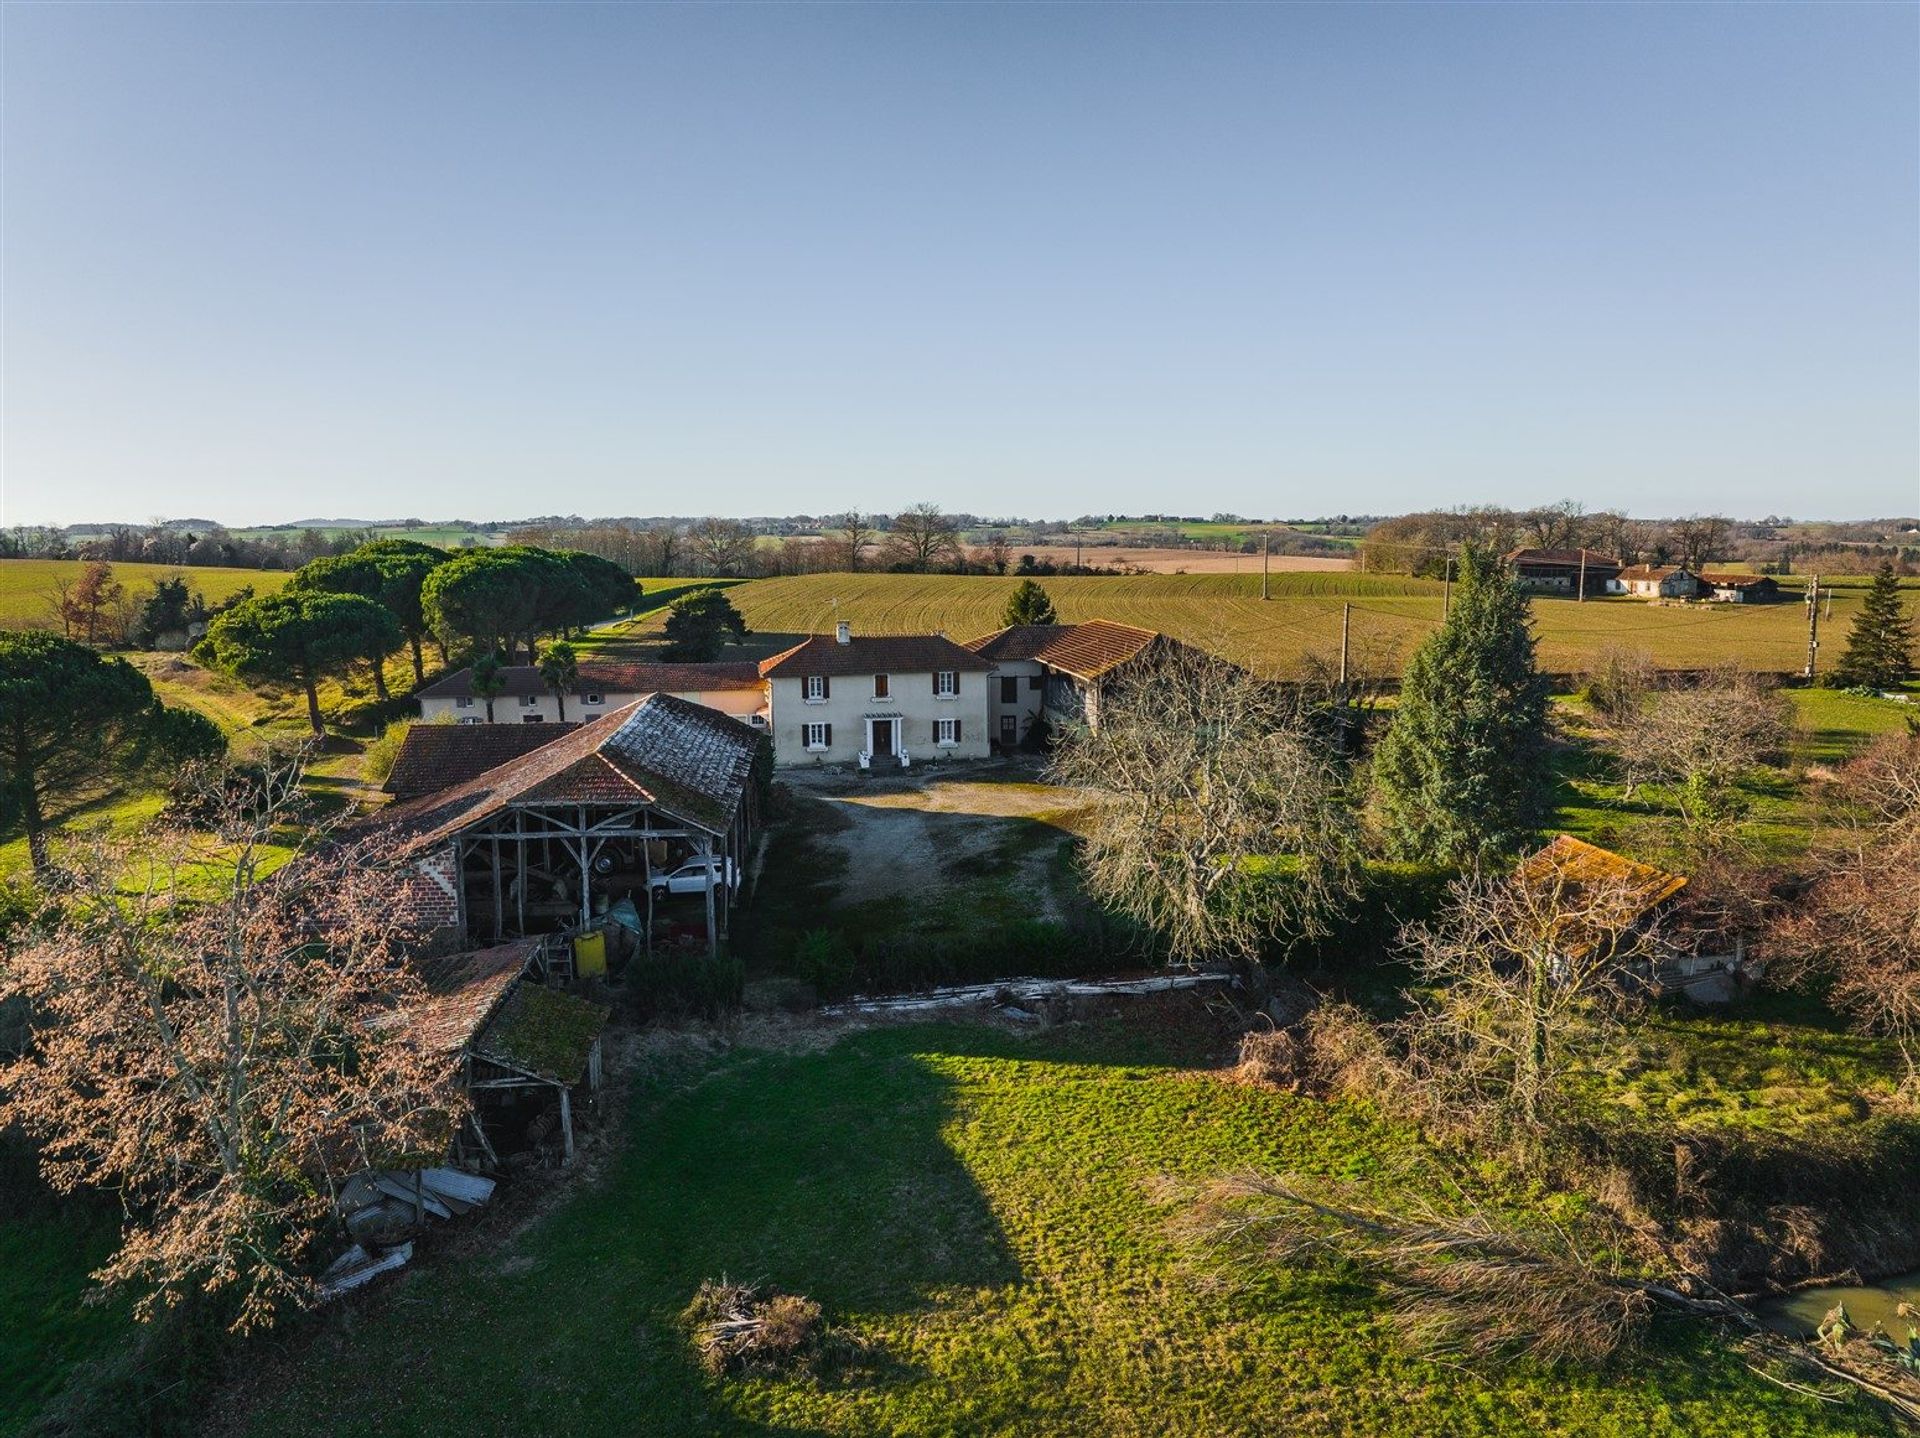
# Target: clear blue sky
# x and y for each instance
(264, 262)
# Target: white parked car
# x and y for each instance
(694, 877)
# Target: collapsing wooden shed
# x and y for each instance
(550, 841)
(524, 1048)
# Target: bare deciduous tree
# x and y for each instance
(223, 1062)
(721, 546)
(1524, 971)
(1698, 538)
(1702, 739)
(996, 554)
(1222, 824)
(922, 537)
(1859, 927)
(855, 536)
(1556, 526)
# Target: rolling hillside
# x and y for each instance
(1225, 612)
(26, 583)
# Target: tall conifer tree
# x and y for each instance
(1880, 644)
(1462, 774)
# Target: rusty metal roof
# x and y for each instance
(1580, 865)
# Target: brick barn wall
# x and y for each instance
(428, 894)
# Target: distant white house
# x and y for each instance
(1659, 581)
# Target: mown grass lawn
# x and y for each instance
(46, 1253)
(980, 1207)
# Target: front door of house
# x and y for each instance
(883, 736)
(1009, 730)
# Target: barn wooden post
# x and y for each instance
(706, 855)
(566, 1123)
(499, 899)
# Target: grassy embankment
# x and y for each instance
(981, 1210)
(1224, 612)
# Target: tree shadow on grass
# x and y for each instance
(822, 1174)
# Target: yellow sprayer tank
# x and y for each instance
(590, 954)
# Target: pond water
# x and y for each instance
(1800, 1313)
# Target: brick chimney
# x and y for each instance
(843, 632)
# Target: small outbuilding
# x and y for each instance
(524, 1048)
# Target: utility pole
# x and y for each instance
(1583, 574)
(1266, 540)
(1346, 629)
(1446, 595)
(1813, 625)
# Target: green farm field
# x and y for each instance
(1224, 612)
(25, 584)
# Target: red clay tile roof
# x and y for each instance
(871, 654)
(437, 756)
(607, 678)
(1651, 571)
(1015, 642)
(1086, 651)
(463, 990)
(1595, 559)
(674, 755)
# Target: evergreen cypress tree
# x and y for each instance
(1029, 604)
(1880, 644)
(1462, 774)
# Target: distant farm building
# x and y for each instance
(1564, 571)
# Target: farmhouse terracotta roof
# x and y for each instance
(1738, 581)
(1646, 572)
(463, 991)
(671, 754)
(607, 678)
(1595, 559)
(871, 654)
(1086, 651)
(1579, 865)
(437, 756)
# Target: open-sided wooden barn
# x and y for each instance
(550, 841)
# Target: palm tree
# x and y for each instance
(560, 669)
(488, 682)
